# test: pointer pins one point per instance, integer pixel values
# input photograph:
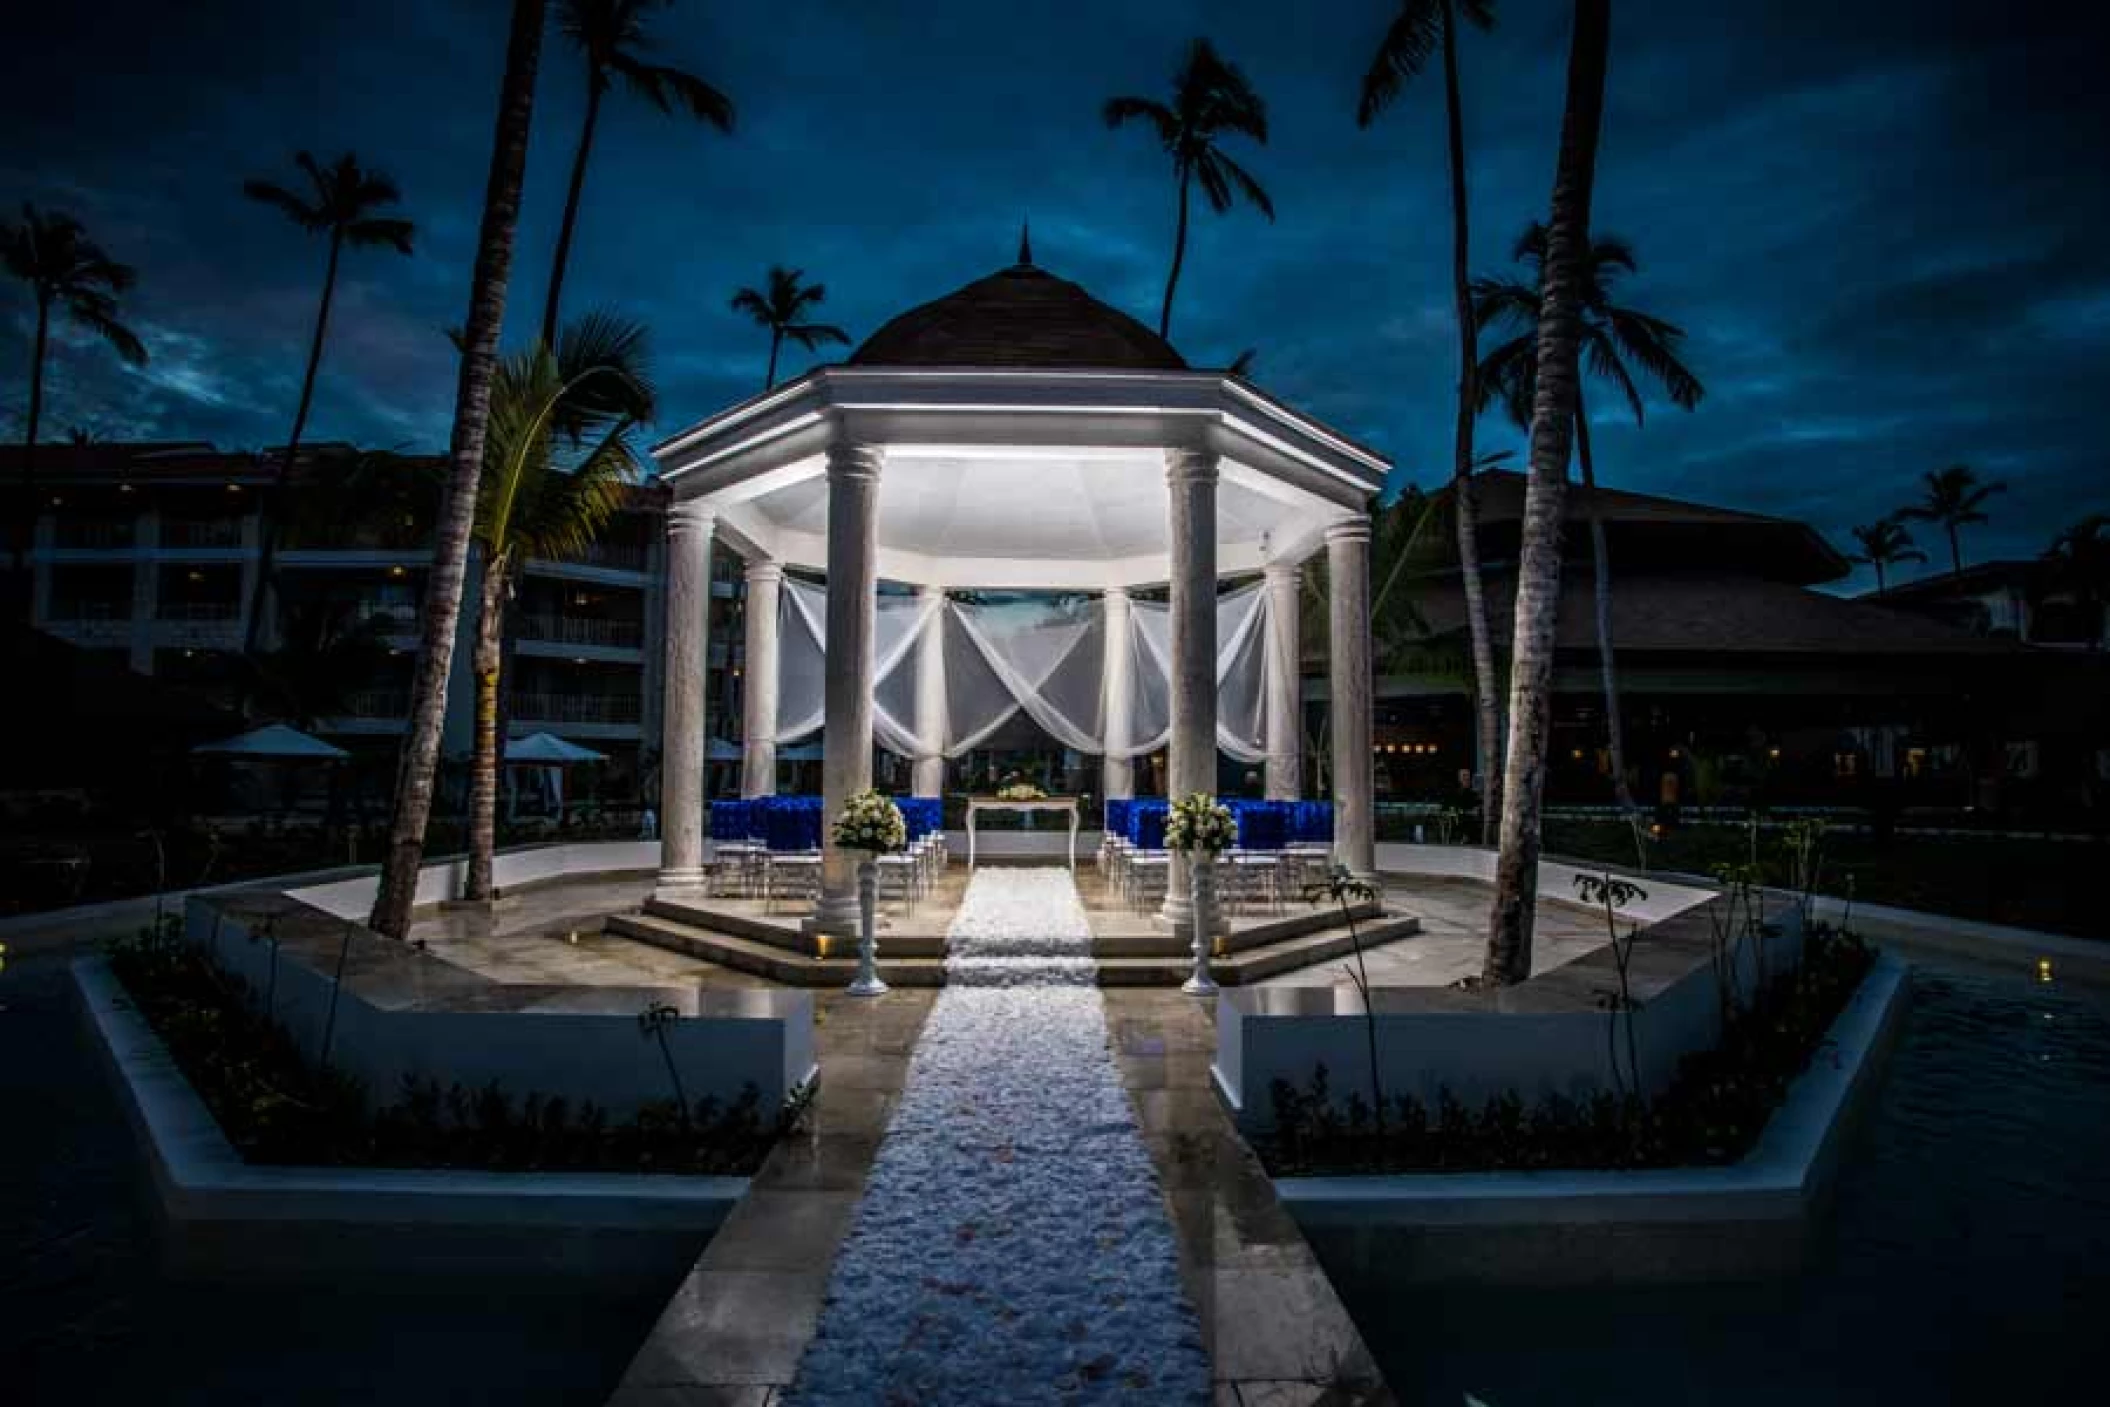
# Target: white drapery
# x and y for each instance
(1043, 656)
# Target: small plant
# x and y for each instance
(1344, 889)
(653, 1023)
(1199, 824)
(1805, 846)
(1450, 825)
(1612, 894)
(329, 1025)
(267, 932)
(869, 821)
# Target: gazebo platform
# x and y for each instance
(1129, 948)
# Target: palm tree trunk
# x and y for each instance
(483, 768)
(571, 211)
(776, 340)
(26, 529)
(1881, 586)
(1601, 570)
(472, 402)
(1955, 552)
(1179, 256)
(1486, 705)
(274, 500)
(1510, 919)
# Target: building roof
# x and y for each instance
(1651, 532)
(1974, 580)
(1019, 317)
(1716, 613)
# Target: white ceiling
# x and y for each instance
(1067, 517)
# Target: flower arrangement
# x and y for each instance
(871, 822)
(1020, 791)
(1201, 824)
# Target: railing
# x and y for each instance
(378, 703)
(201, 532)
(90, 610)
(198, 610)
(577, 708)
(92, 532)
(583, 630)
(623, 556)
(391, 617)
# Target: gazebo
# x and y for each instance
(1017, 436)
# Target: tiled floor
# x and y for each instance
(1453, 938)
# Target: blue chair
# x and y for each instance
(1263, 825)
(1117, 813)
(1146, 825)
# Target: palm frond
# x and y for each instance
(1504, 302)
(270, 193)
(1120, 111)
(666, 88)
(1410, 39)
(1653, 345)
(748, 301)
(1605, 362)
(100, 317)
(816, 334)
(1510, 372)
(367, 234)
(1247, 186)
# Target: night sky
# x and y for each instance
(1881, 223)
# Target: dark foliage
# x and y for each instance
(276, 1106)
(1711, 1115)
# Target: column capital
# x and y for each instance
(1355, 529)
(1190, 465)
(692, 516)
(757, 570)
(1277, 572)
(1114, 593)
(853, 459)
(925, 590)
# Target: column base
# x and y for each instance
(835, 915)
(683, 879)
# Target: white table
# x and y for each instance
(978, 804)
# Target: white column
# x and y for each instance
(1285, 712)
(1354, 820)
(689, 529)
(929, 779)
(1191, 478)
(1117, 774)
(846, 729)
(758, 686)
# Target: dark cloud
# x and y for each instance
(1877, 221)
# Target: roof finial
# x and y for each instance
(1025, 243)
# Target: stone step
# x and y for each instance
(768, 960)
(785, 933)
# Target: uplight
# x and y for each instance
(2044, 969)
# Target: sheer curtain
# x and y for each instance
(1045, 656)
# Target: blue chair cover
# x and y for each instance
(1263, 825)
(1146, 824)
(1117, 812)
(1311, 822)
(923, 814)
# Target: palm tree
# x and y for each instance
(1417, 30)
(612, 37)
(1211, 99)
(1557, 395)
(65, 269)
(2079, 562)
(472, 400)
(342, 201)
(1885, 543)
(1954, 497)
(557, 461)
(1614, 336)
(781, 307)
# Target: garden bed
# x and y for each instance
(276, 1106)
(1711, 1115)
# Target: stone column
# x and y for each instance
(1117, 775)
(1354, 818)
(683, 720)
(929, 779)
(1191, 478)
(1285, 709)
(846, 729)
(758, 686)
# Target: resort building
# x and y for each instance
(148, 553)
(1741, 678)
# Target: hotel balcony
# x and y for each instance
(610, 716)
(616, 641)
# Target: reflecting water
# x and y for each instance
(1968, 1259)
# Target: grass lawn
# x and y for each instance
(2031, 884)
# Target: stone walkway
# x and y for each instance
(1013, 1244)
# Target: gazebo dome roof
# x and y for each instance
(1020, 317)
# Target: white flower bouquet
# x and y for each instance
(871, 822)
(1199, 824)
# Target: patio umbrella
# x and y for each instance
(275, 741)
(551, 753)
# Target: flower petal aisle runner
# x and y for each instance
(1012, 1245)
